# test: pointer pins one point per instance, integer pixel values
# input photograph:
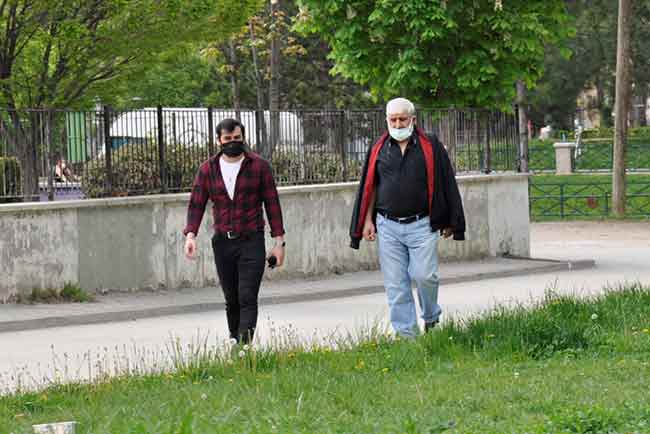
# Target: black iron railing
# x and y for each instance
(52, 154)
(569, 200)
(592, 156)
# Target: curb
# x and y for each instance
(132, 315)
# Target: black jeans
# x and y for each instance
(240, 266)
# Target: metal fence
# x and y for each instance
(57, 154)
(564, 200)
(593, 155)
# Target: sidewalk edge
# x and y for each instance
(132, 315)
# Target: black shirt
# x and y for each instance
(401, 179)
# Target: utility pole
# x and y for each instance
(622, 104)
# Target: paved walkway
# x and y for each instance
(137, 305)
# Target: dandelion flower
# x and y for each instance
(594, 316)
(242, 354)
(204, 396)
(246, 347)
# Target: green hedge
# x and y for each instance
(600, 133)
(313, 167)
(10, 177)
(135, 170)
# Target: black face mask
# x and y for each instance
(233, 149)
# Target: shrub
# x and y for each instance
(313, 167)
(69, 293)
(10, 177)
(597, 133)
(135, 170)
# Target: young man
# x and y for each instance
(407, 194)
(237, 182)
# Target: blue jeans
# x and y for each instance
(409, 252)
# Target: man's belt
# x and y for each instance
(404, 220)
(232, 235)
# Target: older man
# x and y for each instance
(407, 197)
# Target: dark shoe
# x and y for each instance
(430, 325)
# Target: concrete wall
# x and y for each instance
(136, 242)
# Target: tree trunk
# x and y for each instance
(602, 109)
(643, 118)
(259, 91)
(523, 126)
(635, 111)
(622, 104)
(234, 79)
(274, 83)
(25, 142)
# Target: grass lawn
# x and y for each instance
(564, 365)
(596, 154)
(559, 197)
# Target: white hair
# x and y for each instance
(400, 105)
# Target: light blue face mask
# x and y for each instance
(401, 134)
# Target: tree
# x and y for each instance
(595, 55)
(592, 65)
(211, 75)
(274, 79)
(641, 57)
(181, 77)
(623, 84)
(56, 53)
(440, 53)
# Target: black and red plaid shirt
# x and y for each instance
(254, 186)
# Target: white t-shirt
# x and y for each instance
(229, 172)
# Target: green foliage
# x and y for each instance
(72, 292)
(313, 167)
(554, 99)
(563, 365)
(203, 73)
(460, 53)
(608, 133)
(10, 177)
(596, 151)
(136, 169)
(574, 197)
(69, 293)
(592, 64)
(541, 155)
(179, 77)
(70, 51)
